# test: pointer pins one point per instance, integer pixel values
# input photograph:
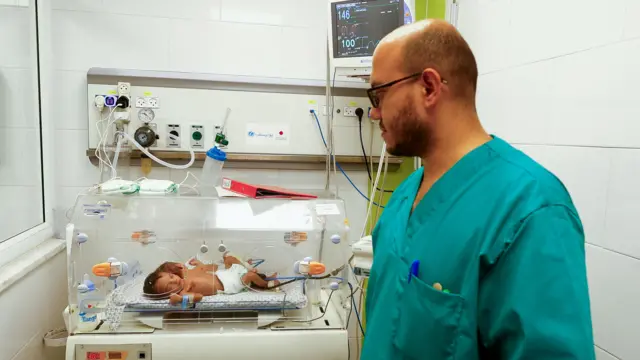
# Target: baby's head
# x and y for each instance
(167, 279)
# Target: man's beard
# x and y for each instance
(411, 135)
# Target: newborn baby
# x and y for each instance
(172, 280)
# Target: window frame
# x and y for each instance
(16, 246)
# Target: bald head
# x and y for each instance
(438, 45)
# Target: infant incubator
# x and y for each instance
(177, 277)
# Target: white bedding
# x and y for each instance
(291, 297)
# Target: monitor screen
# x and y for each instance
(358, 26)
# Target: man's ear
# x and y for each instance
(431, 81)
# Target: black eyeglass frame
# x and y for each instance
(372, 92)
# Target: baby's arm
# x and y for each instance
(176, 299)
(199, 265)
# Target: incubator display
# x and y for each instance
(144, 263)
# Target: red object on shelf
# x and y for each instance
(263, 192)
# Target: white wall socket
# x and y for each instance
(349, 111)
(124, 88)
(141, 102)
(153, 102)
(313, 107)
(147, 102)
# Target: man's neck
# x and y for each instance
(451, 144)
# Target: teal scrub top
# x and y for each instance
(501, 235)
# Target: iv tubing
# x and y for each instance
(163, 163)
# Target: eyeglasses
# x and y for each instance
(374, 92)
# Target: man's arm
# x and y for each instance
(534, 302)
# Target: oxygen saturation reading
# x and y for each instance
(360, 25)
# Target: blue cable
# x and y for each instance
(355, 307)
(338, 165)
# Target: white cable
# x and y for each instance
(116, 155)
(103, 135)
(161, 162)
(384, 179)
(102, 141)
(375, 186)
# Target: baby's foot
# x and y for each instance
(273, 284)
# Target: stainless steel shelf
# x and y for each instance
(260, 161)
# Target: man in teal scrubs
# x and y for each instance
(480, 254)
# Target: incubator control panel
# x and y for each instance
(113, 352)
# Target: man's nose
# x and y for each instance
(375, 114)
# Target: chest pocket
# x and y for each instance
(428, 320)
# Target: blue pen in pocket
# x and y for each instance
(413, 271)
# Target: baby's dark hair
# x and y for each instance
(149, 287)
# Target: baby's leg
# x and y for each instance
(255, 278)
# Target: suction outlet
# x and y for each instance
(173, 129)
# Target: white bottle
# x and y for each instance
(87, 321)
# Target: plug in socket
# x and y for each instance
(350, 111)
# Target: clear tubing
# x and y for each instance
(163, 163)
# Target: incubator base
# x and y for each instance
(209, 344)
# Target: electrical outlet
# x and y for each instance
(173, 129)
(124, 88)
(141, 102)
(312, 107)
(153, 102)
(349, 111)
(197, 136)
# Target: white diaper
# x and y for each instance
(231, 278)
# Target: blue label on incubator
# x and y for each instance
(85, 318)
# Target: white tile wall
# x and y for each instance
(565, 91)
(614, 299)
(33, 306)
(631, 25)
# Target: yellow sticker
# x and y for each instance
(112, 92)
(353, 103)
(312, 102)
(147, 93)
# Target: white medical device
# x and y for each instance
(362, 256)
(355, 29)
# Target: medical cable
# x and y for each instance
(359, 114)
(380, 195)
(323, 312)
(101, 146)
(353, 302)
(161, 162)
(375, 185)
(338, 164)
(114, 166)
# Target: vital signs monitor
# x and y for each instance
(356, 28)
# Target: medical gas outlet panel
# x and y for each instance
(179, 119)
